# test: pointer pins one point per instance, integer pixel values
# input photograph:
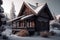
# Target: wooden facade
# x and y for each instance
(39, 22)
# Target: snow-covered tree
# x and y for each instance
(2, 20)
(6, 16)
(12, 11)
(0, 2)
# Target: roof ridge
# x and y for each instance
(29, 6)
(35, 11)
(26, 16)
(39, 8)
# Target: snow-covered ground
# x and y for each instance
(14, 37)
(10, 36)
(56, 37)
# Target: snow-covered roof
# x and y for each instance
(33, 8)
(29, 6)
(15, 18)
(26, 17)
(21, 17)
(39, 8)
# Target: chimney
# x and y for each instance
(36, 4)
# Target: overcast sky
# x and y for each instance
(54, 5)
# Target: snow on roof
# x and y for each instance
(31, 7)
(21, 18)
(15, 18)
(39, 8)
(26, 17)
(27, 4)
(34, 8)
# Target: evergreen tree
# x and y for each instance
(2, 21)
(0, 2)
(12, 11)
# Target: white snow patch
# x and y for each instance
(26, 17)
(7, 32)
(39, 8)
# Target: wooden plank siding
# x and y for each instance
(26, 12)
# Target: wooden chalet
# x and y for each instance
(32, 18)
